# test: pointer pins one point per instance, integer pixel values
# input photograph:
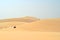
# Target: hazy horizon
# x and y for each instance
(36, 8)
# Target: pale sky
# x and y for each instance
(35, 8)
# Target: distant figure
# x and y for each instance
(14, 26)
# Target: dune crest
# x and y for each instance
(27, 19)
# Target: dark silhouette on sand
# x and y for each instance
(14, 27)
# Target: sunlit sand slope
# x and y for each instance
(9, 25)
(51, 25)
(19, 35)
(45, 29)
(48, 25)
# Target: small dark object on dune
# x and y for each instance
(14, 26)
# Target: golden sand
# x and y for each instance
(30, 28)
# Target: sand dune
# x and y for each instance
(46, 25)
(10, 25)
(42, 25)
(30, 28)
(23, 19)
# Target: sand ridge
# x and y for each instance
(10, 23)
(27, 19)
(49, 25)
(37, 29)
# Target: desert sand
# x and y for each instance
(30, 28)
